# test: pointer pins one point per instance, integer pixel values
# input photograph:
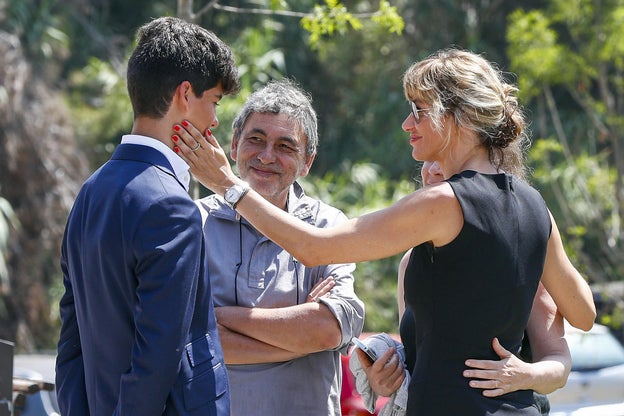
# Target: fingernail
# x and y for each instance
(176, 149)
(208, 132)
(185, 123)
(176, 127)
(174, 138)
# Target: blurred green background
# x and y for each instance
(63, 108)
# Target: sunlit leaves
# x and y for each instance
(388, 18)
(569, 58)
(534, 50)
(613, 40)
(327, 20)
(333, 18)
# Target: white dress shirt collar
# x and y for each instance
(180, 167)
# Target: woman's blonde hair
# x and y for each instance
(470, 89)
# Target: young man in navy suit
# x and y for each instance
(138, 334)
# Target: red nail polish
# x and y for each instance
(185, 123)
(174, 138)
(208, 132)
(176, 149)
(176, 127)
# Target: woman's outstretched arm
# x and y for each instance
(432, 214)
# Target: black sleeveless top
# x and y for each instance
(479, 286)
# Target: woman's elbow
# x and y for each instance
(311, 258)
(587, 325)
(586, 322)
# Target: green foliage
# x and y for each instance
(328, 19)
(586, 42)
(568, 57)
(587, 203)
(356, 84)
(100, 107)
(534, 52)
(388, 18)
(258, 62)
(352, 65)
(39, 24)
(612, 46)
(277, 4)
(357, 189)
(333, 18)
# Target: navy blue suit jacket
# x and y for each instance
(138, 332)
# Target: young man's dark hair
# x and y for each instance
(169, 51)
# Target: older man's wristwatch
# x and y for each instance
(235, 193)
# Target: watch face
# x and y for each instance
(231, 195)
(234, 194)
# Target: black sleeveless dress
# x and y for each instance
(479, 286)
(407, 329)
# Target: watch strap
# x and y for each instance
(246, 189)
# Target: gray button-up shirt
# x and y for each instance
(269, 277)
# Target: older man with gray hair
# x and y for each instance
(282, 325)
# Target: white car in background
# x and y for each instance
(33, 385)
(596, 383)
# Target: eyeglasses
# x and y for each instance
(416, 111)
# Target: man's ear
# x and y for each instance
(308, 165)
(182, 95)
(234, 145)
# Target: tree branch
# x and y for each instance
(214, 4)
(554, 114)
